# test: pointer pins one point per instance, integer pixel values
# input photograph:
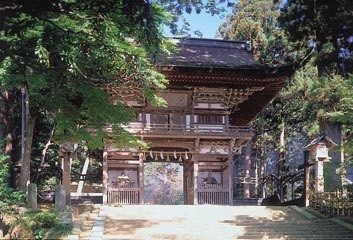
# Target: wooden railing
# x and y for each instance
(217, 194)
(145, 129)
(243, 180)
(124, 193)
(123, 196)
(332, 203)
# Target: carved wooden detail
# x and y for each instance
(234, 97)
(208, 95)
(197, 145)
(214, 146)
(230, 98)
(175, 99)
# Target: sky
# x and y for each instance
(203, 22)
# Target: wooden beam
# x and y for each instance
(196, 172)
(230, 175)
(122, 155)
(247, 163)
(105, 176)
(123, 166)
(133, 162)
(83, 174)
(221, 164)
(141, 178)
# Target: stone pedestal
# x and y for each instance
(32, 196)
(66, 217)
(60, 198)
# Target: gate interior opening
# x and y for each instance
(163, 183)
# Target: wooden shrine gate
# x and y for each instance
(202, 182)
(215, 89)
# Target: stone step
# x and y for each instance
(209, 222)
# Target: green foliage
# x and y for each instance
(332, 98)
(67, 52)
(256, 21)
(8, 196)
(320, 29)
(41, 225)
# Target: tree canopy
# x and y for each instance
(58, 51)
(315, 37)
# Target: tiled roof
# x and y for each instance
(209, 53)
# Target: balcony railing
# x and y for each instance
(196, 129)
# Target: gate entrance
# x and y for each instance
(169, 177)
(163, 183)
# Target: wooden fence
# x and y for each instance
(217, 194)
(332, 203)
(124, 193)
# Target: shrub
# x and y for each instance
(38, 224)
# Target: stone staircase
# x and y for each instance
(206, 222)
(292, 223)
(88, 224)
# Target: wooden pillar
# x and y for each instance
(196, 172)
(105, 176)
(306, 185)
(306, 178)
(230, 175)
(185, 183)
(141, 179)
(247, 163)
(188, 169)
(67, 177)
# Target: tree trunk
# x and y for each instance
(26, 164)
(332, 170)
(5, 120)
(9, 134)
(281, 164)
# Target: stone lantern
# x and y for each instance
(318, 154)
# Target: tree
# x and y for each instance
(326, 27)
(62, 53)
(256, 22)
(324, 30)
(58, 51)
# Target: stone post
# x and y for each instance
(32, 196)
(67, 177)
(60, 198)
